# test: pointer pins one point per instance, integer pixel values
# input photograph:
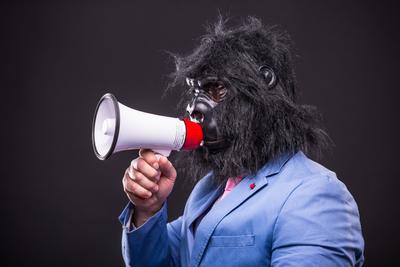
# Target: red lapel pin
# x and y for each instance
(252, 186)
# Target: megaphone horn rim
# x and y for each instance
(116, 130)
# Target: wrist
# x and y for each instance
(141, 215)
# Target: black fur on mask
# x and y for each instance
(259, 123)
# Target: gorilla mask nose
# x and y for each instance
(198, 109)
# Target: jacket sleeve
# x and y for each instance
(155, 243)
(318, 225)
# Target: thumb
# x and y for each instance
(168, 173)
(167, 169)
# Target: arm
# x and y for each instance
(148, 181)
(318, 225)
(155, 243)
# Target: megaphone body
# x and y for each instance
(117, 127)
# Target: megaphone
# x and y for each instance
(117, 127)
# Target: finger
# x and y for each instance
(143, 181)
(166, 168)
(135, 200)
(150, 157)
(142, 202)
(133, 188)
(143, 167)
(134, 163)
(136, 175)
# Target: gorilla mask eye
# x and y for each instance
(216, 90)
(212, 87)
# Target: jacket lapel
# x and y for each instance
(201, 205)
(244, 190)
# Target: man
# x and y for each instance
(262, 201)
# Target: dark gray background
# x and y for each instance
(60, 203)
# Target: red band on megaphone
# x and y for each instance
(194, 135)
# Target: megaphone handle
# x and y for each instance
(165, 153)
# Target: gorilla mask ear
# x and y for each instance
(269, 76)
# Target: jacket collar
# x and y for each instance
(274, 166)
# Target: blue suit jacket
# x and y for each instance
(298, 214)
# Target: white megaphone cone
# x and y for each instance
(117, 128)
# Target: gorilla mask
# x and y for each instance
(239, 84)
